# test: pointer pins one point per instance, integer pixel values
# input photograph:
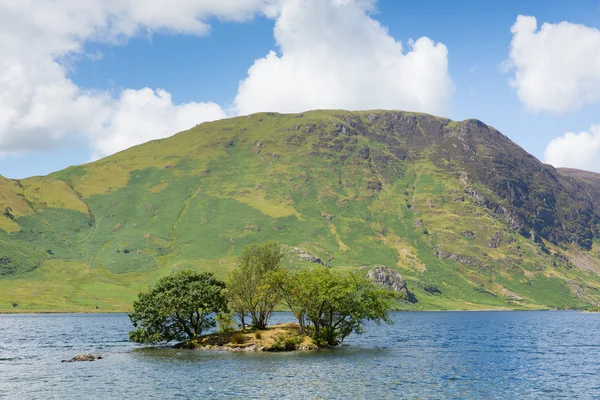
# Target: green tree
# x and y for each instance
(226, 322)
(180, 306)
(331, 306)
(250, 292)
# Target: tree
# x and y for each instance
(331, 306)
(249, 290)
(180, 306)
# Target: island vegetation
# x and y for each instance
(328, 306)
(181, 306)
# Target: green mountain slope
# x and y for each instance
(467, 217)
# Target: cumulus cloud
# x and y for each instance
(332, 54)
(40, 106)
(557, 67)
(146, 115)
(576, 150)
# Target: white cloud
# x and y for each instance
(557, 68)
(146, 115)
(334, 55)
(40, 106)
(576, 150)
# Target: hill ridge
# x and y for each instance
(453, 206)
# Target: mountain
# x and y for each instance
(592, 178)
(468, 218)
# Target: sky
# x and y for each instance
(80, 80)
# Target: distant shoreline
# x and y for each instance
(48, 312)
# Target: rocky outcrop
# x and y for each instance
(469, 235)
(374, 186)
(386, 277)
(495, 241)
(305, 256)
(467, 260)
(524, 193)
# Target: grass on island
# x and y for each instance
(280, 337)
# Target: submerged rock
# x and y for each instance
(386, 277)
(84, 357)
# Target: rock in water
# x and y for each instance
(386, 277)
(84, 357)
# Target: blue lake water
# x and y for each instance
(473, 355)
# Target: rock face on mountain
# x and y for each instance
(532, 198)
(386, 277)
(592, 178)
(455, 206)
(305, 256)
(540, 201)
(588, 182)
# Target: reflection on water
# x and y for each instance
(423, 355)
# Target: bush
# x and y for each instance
(237, 338)
(286, 342)
(258, 335)
(432, 289)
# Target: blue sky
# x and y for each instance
(100, 63)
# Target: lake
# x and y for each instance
(472, 355)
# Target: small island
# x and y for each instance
(280, 337)
(328, 306)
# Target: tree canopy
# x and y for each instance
(250, 292)
(329, 306)
(180, 306)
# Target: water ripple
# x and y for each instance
(525, 355)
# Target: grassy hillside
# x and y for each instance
(467, 217)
